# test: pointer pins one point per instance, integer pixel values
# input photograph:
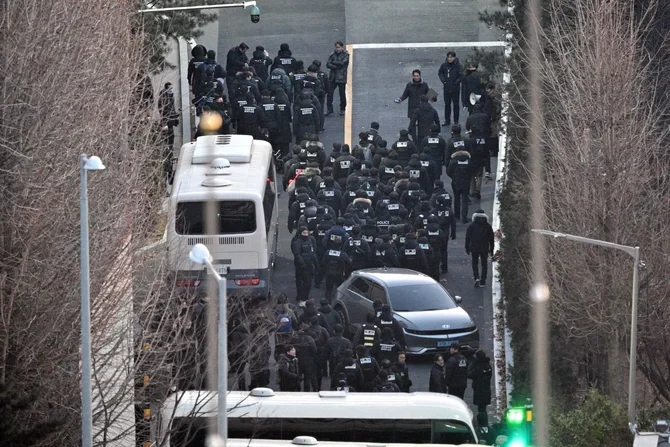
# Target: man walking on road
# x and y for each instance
(451, 78)
(479, 243)
(413, 91)
(338, 62)
(456, 372)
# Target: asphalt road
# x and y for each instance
(379, 76)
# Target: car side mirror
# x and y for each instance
(458, 299)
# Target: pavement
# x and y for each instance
(378, 76)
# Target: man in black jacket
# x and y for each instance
(289, 372)
(284, 60)
(306, 118)
(338, 63)
(480, 373)
(261, 62)
(413, 90)
(435, 145)
(460, 169)
(236, 62)
(303, 247)
(436, 384)
(479, 242)
(451, 78)
(456, 372)
(422, 118)
(471, 83)
(335, 347)
(307, 353)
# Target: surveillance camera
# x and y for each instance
(255, 14)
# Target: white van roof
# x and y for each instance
(331, 404)
(235, 148)
(249, 160)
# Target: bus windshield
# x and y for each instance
(233, 217)
(191, 432)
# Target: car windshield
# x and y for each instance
(420, 297)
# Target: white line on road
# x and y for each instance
(375, 46)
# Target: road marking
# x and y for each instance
(376, 46)
(349, 93)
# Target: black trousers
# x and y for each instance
(332, 282)
(477, 258)
(458, 392)
(343, 96)
(460, 202)
(322, 116)
(308, 377)
(303, 283)
(451, 100)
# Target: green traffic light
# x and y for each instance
(517, 443)
(515, 415)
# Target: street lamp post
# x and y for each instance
(635, 253)
(189, 8)
(86, 164)
(200, 255)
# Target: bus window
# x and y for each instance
(322, 429)
(233, 217)
(451, 432)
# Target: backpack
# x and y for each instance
(242, 90)
(207, 80)
(387, 388)
(284, 323)
(275, 83)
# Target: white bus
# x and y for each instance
(309, 440)
(422, 418)
(238, 173)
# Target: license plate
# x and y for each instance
(446, 344)
(222, 270)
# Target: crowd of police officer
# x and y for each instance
(313, 346)
(374, 206)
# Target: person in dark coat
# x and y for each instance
(422, 118)
(455, 143)
(479, 242)
(307, 354)
(261, 62)
(350, 367)
(335, 347)
(435, 145)
(284, 59)
(306, 118)
(387, 320)
(404, 148)
(283, 137)
(480, 373)
(303, 247)
(325, 88)
(471, 83)
(338, 63)
(451, 78)
(236, 62)
(199, 53)
(402, 371)
(289, 372)
(460, 169)
(385, 385)
(413, 90)
(456, 372)
(436, 383)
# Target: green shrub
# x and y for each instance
(596, 422)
